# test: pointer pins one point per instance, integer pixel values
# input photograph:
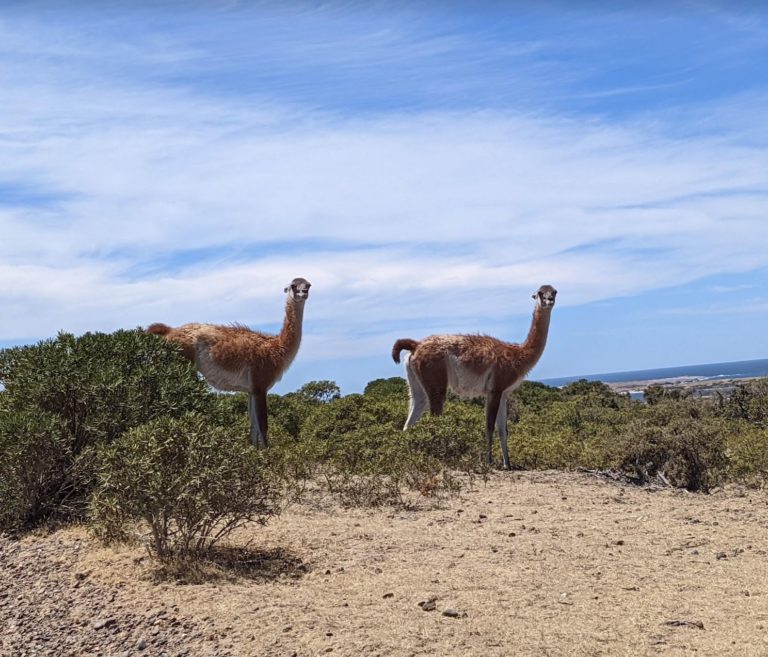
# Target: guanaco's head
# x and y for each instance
(545, 296)
(298, 289)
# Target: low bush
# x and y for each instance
(656, 394)
(65, 396)
(191, 482)
(748, 454)
(681, 441)
(365, 458)
(393, 387)
(33, 447)
(748, 401)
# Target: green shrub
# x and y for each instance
(748, 401)
(352, 412)
(317, 392)
(87, 391)
(394, 386)
(682, 441)
(32, 446)
(565, 434)
(376, 465)
(456, 439)
(656, 394)
(368, 467)
(366, 459)
(191, 482)
(748, 454)
(535, 396)
(546, 438)
(594, 393)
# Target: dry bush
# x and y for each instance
(191, 482)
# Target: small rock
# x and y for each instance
(428, 604)
(452, 613)
(721, 555)
(564, 599)
(104, 622)
(388, 595)
(685, 623)
(141, 644)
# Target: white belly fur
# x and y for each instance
(218, 377)
(468, 384)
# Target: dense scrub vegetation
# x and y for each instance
(66, 397)
(118, 430)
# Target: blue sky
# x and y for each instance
(426, 165)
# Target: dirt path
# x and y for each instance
(532, 564)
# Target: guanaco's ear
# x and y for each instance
(287, 287)
(534, 295)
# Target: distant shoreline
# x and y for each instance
(699, 386)
(704, 376)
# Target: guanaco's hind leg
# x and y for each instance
(492, 403)
(434, 379)
(257, 410)
(417, 402)
(501, 425)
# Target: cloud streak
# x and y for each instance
(126, 199)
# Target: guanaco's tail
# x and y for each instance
(158, 329)
(403, 343)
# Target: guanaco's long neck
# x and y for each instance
(537, 337)
(290, 334)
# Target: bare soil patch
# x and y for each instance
(528, 564)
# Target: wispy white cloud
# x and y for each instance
(441, 219)
(522, 197)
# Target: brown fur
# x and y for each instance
(403, 343)
(478, 363)
(236, 347)
(159, 329)
(509, 361)
(238, 359)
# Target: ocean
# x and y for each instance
(736, 370)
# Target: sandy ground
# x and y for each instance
(538, 564)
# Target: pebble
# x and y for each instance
(104, 622)
(428, 604)
(51, 605)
